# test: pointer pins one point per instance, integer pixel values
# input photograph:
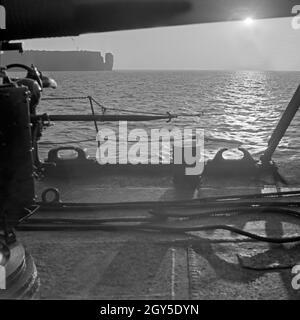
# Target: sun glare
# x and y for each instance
(248, 21)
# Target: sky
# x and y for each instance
(261, 45)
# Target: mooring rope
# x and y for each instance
(94, 139)
(45, 143)
(65, 98)
(104, 108)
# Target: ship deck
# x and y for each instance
(144, 265)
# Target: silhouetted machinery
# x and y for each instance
(17, 193)
(19, 98)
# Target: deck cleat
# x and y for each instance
(222, 167)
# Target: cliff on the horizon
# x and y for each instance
(62, 60)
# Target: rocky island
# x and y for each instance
(62, 60)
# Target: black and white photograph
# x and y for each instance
(149, 153)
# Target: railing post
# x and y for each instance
(282, 127)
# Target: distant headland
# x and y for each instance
(62, 60)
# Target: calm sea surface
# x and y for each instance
(239, 108)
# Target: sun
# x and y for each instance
(249, 21)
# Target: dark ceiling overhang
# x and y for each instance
(27, 19)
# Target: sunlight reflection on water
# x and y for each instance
(240, 108)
